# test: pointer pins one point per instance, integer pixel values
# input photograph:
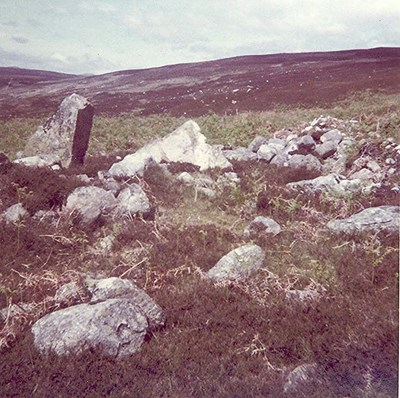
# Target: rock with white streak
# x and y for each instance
(186, 144)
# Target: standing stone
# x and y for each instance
(66, 133)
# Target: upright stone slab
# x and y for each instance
(66, 134)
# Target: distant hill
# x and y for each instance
(245, 83)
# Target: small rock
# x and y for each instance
(68, 294)
(239, 154)
(39, 161)
(132, 200)
(306, 143)
(308, 162)
(304, 376)
(186, 178)
(15, 213)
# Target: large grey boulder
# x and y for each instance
(262, 226)
(185, 144)
(116, 327)
(132, 200)
(66, 134)
(89, 203)
(104, 289)
(374, 219)
(238, 263)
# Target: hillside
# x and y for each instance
(227, 86)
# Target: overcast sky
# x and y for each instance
(97, 36)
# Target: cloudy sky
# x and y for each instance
(96, 36)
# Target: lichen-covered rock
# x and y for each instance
(238, 263)
(301, 379)
(373, 219)
(116, 327)
(89, 203)
(186, 144)
(104, 289)
(66, 134)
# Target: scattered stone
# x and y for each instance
(374, 166)
(39, 161)
(15, 213)
(89, 203)
(186, 144)
(239, 154)
(69, 294)
(326, 149)
(13, 310)
(306, 144)
(265, 152)
(332, 135)
(373, 219)
(363, 174)
(186, 178)
(132, 200)
(238, 263)
(66, 133)
(254, 145)
(116, 327)
(46, 216)
(390, 161)
(302, 296)
(308, 162)
(262, 225)
(104, 289)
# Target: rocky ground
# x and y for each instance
(186, 269)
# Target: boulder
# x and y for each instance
(308, 162)
(132, 200)
(89, 203)
(186, 144)
(262, 226)
(116, 327)
(104, 289)
(371, 220)
(238, 263)
(66, 134)
(15, 213)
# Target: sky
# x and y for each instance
(99, 36)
